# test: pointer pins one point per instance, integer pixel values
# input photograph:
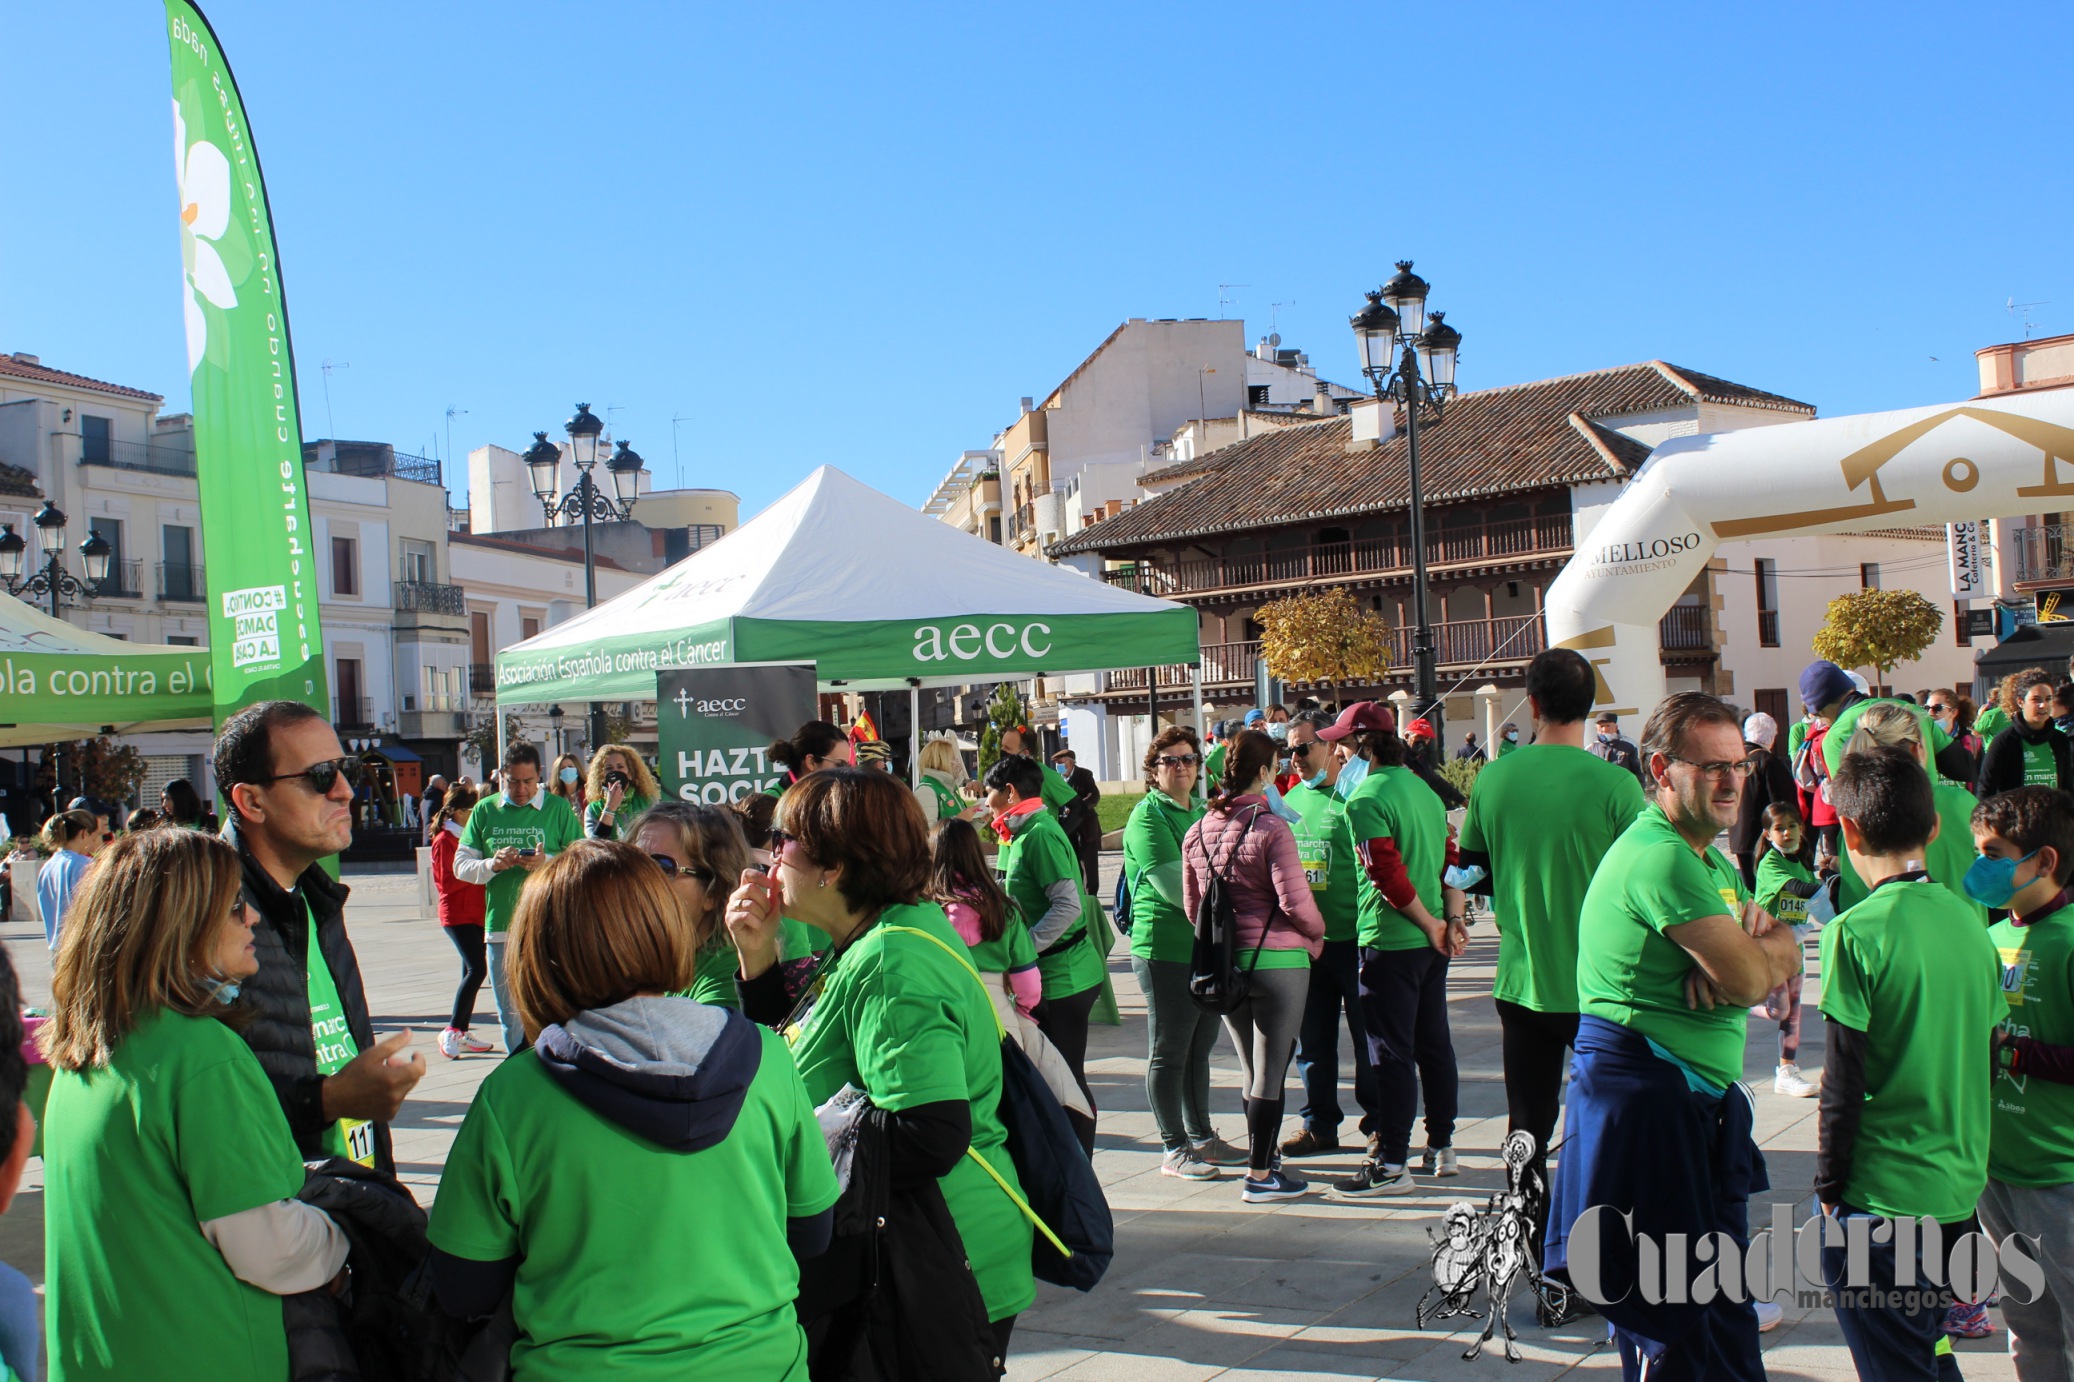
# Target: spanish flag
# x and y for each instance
(864, 731)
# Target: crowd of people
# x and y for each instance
(782, 1029)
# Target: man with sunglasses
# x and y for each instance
(290, 789)
(507, 837)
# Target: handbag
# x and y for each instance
(1062, 1198)
(1215, 981)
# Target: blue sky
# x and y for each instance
(857, 234)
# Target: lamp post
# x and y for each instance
(554, 722)
(52, 579)
(586, 501)
(1396, 340)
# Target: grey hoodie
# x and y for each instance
(666, 1069)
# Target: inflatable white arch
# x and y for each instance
(1954, 463)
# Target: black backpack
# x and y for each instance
(1215, 981)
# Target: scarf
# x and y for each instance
(1004, 823)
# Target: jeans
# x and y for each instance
(500, 991)
(1335, 987)
(474, 969)
(1181, 1037)
(2041, 1334)
(1887, 1339)
(21, 1323)
(1404, 1008)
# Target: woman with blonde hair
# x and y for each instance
(71, 839)
(621, 788)
(943, 780)
(635, 1125)
(171, 1223)
(1894, 724)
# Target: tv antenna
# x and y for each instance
(1225, 298)
(675, 460)
(451, 413)
(330, 429)
(1274, 315)
(610, 409)
(2024, 308)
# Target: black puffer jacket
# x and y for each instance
(2002, 766)
(280, 994)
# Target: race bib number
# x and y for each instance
(1316, 858)
(358, 1135)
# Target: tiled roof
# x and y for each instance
(1493, 441)
(18, 483)
(527, 549)
(15, 368)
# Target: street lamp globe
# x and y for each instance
(583, 430)
(1438, 345)
(1406, 296)
(543, 464)
(625, 466)
(96, 553)
(1375, 332)
(50, 528)
(11, 548)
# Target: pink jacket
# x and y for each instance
(1026, 986)
(1265, 874)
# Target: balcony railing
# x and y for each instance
(1767, 628)
(140, 456)
(125, 581)
(181, 580)
(1462, 643)
(424, 597)
(1021, 520)
(352, 712)
(2045, 553)
(1690, 629)
(482, 679)
(1322, 561)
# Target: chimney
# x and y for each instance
(1027, 401)
(1321, 401)
(23, 357)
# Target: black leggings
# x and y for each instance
(475, 967)
(1535, 1050)
(1064, 1022)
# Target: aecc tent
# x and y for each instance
(59, 682)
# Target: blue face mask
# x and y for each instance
(1281, 807)
(224, 991)
(1350, 776)
(569, 775)
(1316, 779)
(1991, 881)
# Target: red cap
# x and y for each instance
(1362, 716)
(1420, 728)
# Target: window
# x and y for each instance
(121, 580)
(1256, 395)
(1773, 703)
(181, 640)
(994, 530)
(420, 562)
(180, 579)
(1869, 575)
(1767, 603)
(95, 434)
(345, 566)
(351, 708)
(529, 626)
(1962, 624)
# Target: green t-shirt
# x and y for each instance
(1509, 746)
(1325, 846)
(1393, 802)
(2033, 1123)
(1946, 861)
(1213, 767)
(1774, 872)
(630, 806)
(1990, 722)
(940, 801)
(1057, 792)
(906, 1022)
(550, 827)
(331, 1038)
(1009, 953)
(1543, 859)
(610, 1228)
(1629, 972)
(181, 1127)
(1838, 739)
(2041, 769)
(1038, 856)
(1161, 928)
(717, 965)
(1914, 972)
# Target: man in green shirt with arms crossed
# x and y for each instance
(508, 837)
(1671, 954)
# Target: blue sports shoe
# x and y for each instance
(1279, 1185)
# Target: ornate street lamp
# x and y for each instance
(52, 579)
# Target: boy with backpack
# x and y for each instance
(1911, 988)
(2026, 843)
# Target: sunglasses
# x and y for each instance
(1177, 760)
(1303, 750)
(322, 777)
(672, 870)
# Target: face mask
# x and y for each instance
(1992, 881)
(1605, 736)
(1279, 733)
(570, 775)
(1350, 776)
(224, 991)
(1316, 779)
(1281, 807)
(1512, 736)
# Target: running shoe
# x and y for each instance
(1789, 1082)
(1279, 1185)
(1769, 1313)
(450, 1043)
(475, 1044)
(1373, 1179)
(1217, 1152)
(1183, 1164)
(1439, 1162)
(1303, 1142)
(1968, 1320)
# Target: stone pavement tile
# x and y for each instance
(1135, 1367)
(1035, 1354)
(1289, 1364)
(1218, 1338)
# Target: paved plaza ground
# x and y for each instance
(1203, 1286)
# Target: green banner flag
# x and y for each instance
(264, 638)
(715, 725)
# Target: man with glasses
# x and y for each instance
(1671, 954)
(290, 789)
(507, 837)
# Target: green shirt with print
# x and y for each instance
(179, 1128)
(1774, 872)
(905, 1021)
(1161, 928)
(2032, 1141)
(1037, 856)
(602, 1220)
(1395, 803)
(2041, 769)
(1325, 847)
(1916, 973)
(1543, 859)
(546, 824)
(1946, 860)
(1630, 973)
(714, 982)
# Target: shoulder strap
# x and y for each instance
(964, 960)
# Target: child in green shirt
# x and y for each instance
(1785, 882)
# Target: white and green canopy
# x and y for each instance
(59, 682)
(876, 594)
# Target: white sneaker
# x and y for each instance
(475, 1044)
(1183, 1164)
(1788, 1081)
(1769, 1313)
(450, 1043)
(1439, 1163)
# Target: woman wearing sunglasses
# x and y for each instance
(645, 1178)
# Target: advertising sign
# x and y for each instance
(1963, 541)
(264, 638)
(715, 726)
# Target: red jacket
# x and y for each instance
(1269, 893)
(460, 904)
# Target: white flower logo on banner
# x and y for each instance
(204, 216)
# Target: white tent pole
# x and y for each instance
(914, 735)
(1195, 686)
(497, 709)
